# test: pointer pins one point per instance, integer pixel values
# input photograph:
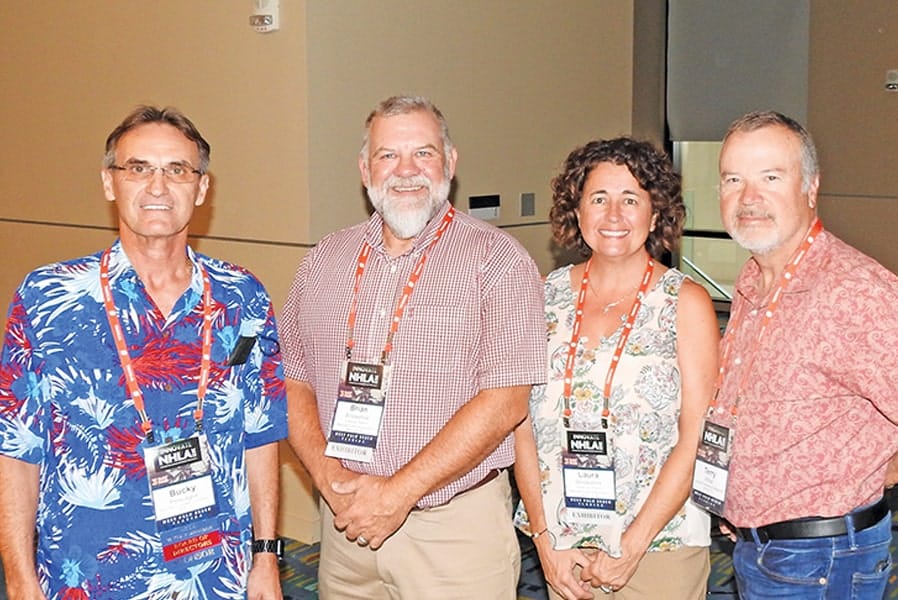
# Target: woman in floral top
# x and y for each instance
(604, 462)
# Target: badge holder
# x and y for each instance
(712, 464)
(183, 495)
(361, 395)
(588, 476)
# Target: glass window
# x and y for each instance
(707, 253)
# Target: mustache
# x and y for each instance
(753, 214)
(394, 181)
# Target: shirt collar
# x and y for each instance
(374, 233)
(121, 269)
(750, 277)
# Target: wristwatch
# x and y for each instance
(275, 546)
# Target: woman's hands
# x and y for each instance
(558, 569)
(608, 573)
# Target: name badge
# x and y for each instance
(184, 502)
(712, 468)
(361, 396)
(588, 477)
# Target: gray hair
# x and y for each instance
(403, 105)
(769, 118)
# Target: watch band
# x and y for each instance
(275, 546)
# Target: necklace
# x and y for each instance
(618, 351)
(607, 308)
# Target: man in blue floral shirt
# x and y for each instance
(141, 401)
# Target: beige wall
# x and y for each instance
(855, 121)
(70, 72)
(521, 83)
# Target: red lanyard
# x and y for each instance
(130, 378)
(618, 351)
(785, 279)
(362, 262)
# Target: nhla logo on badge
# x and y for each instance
(716, 436)
(178, 453)
(587, 442)
(363, 375)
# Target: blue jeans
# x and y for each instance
(854, 566)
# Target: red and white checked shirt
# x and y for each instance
(816, 423)
(474, 321)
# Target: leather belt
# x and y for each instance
(891, 496)
(818, 527)
(490, 475)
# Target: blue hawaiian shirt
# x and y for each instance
(64, 406)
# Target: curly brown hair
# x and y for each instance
(649, 166)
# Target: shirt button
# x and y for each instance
(167, 387)
(392, 268)
(754, 312)
(737, 361)
(382, 313)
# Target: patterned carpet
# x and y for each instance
(299, 573)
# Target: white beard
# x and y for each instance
(757, 242)
(758, 247)
(408, 218)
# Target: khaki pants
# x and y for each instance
(676, 575)
(463, 550)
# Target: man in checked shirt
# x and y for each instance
(411, 342)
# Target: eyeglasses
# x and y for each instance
(174, 172)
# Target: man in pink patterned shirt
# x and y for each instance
(410, 345)
(809, 392)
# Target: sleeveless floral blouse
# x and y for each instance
(645, 409)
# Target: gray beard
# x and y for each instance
(408, 222)
(756, 247)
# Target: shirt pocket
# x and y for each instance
(440, 338)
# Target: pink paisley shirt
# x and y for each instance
(818, 407)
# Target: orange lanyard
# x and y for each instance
(618, 351)
(130, 378)
(407, 290)
(785, 279)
